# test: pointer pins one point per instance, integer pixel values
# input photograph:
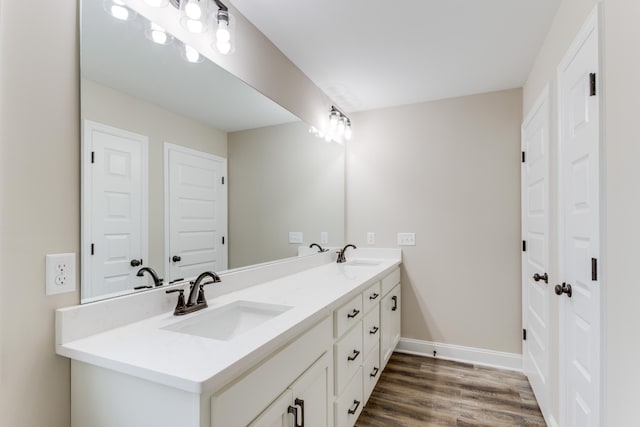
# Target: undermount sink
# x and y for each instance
(227, 322)
(364, 262)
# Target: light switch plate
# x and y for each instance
(406, 239)
(60, 273)
(295, 237)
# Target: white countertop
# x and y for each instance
(198, 365)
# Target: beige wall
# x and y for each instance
(39, 182)
(620, 34)
(111, 107)
(449, 171)
(281, 179)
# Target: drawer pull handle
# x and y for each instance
(300, 403)
(353, 314)
(373, 330)
(355, 355)
(374, 373)
(356, 405)
(395, 303)
(293, 410)
(373, 296)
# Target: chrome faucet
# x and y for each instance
(156, 280)
(320, 248)
(341, 252)
(196, 300)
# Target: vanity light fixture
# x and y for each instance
(347, 130)
(194, 15)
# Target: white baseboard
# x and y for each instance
(458, 353)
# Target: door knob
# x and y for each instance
(538, 277)
(564, 289)
(176, 258)
(136, 262)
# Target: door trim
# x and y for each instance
(167, 223)
(591, 25)
(86, 201)
(543, 99)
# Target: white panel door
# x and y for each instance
(536, 292)
(197, 212)
(580, 230)
(115, 203)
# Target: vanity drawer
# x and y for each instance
(349, 405)
(347, 315)
(348, 358)
(390, 281)
(371, 371)
(371, 297)
(371, 330)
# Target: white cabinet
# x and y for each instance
(389, 323)
(305, 403)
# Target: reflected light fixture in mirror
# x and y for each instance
(195, 17)
(118, 9)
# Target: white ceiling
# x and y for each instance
(368, 54)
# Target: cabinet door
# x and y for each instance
(389, 323)
(312, 394)
(277, 414)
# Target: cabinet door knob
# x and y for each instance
(136, 262)
(565, 288)
(176, 258)
(544, 277)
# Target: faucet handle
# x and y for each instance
(181, 305)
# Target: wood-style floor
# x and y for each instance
(421, 391)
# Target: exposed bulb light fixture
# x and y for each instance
(347, 130)
(223, 32)
(339, 128)
(194, 15)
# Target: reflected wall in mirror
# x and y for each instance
(141, 101)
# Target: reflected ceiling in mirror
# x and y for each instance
(280, 178)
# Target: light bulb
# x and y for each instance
(333, 119)
(347, 131)
(119, 12)
(194, 26)
(223, 47)
(192, 9)
(222, 33)
(341, 126)
(191, 54)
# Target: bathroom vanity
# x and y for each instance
(305, 346)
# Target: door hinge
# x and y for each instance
(93, 157)
(524, 335)
(92, 249)
(523, 157)
(594, 269)
(524, 246)
(592, 84)
(223, 240)
(223, 180)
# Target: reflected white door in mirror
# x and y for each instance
(115, 194)
(196, 202)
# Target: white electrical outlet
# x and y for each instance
(324, 237)
(406, 239)
(371, 238)
(295, 237)
(60, 273)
